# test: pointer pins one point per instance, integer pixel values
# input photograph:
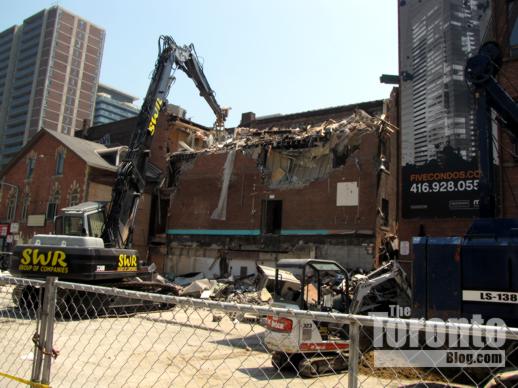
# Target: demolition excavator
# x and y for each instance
(93, 242)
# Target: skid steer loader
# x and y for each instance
(315, 348)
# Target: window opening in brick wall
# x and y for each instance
(60, 162)
(25, 207)
(51, 210)
(271, 216)
(31, 162)
(385, 212)
(11, 206)
(52, 206)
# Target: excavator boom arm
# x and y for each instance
(130, 181)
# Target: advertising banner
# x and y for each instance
(433, 191)
(439, 141)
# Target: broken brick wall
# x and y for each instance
(309, 207)
(314, 218)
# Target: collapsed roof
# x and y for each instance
(295, 156)
(338, 133)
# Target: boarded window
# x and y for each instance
(271, 216)
(347, 194)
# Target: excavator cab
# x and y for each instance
(86, 219)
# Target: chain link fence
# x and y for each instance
(70, 335)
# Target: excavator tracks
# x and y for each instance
(310, 365)
(71, 304)
(323, 364)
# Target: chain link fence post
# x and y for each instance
(354, 353)
(50, 307)
(44, 334)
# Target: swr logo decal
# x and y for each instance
(51, 261)
(156, 111)
(127, 263)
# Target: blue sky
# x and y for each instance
(268, 56)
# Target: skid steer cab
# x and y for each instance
(312, 348)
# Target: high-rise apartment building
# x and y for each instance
(436, 37)
(113, 105)
(49, 71)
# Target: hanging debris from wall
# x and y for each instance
(291, 157)
(220, 213)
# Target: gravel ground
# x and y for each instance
(178, 347)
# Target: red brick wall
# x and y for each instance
(162, 142)
(93, 185)
(310, 207)
(42, 181)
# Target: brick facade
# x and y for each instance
(88, 183)
(312, 223)
(45, 184)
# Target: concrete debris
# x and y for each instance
(294, 156)
(255, 298)
(218, 290)
(266, 278)
(206, 294)
(158, 278)
(251, 289)
(197, 288)
(348, 131)
(188, 278)
(185, 146)
(264, 295)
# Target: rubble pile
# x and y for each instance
(255, 289)
(243, 290)
(349, 129)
